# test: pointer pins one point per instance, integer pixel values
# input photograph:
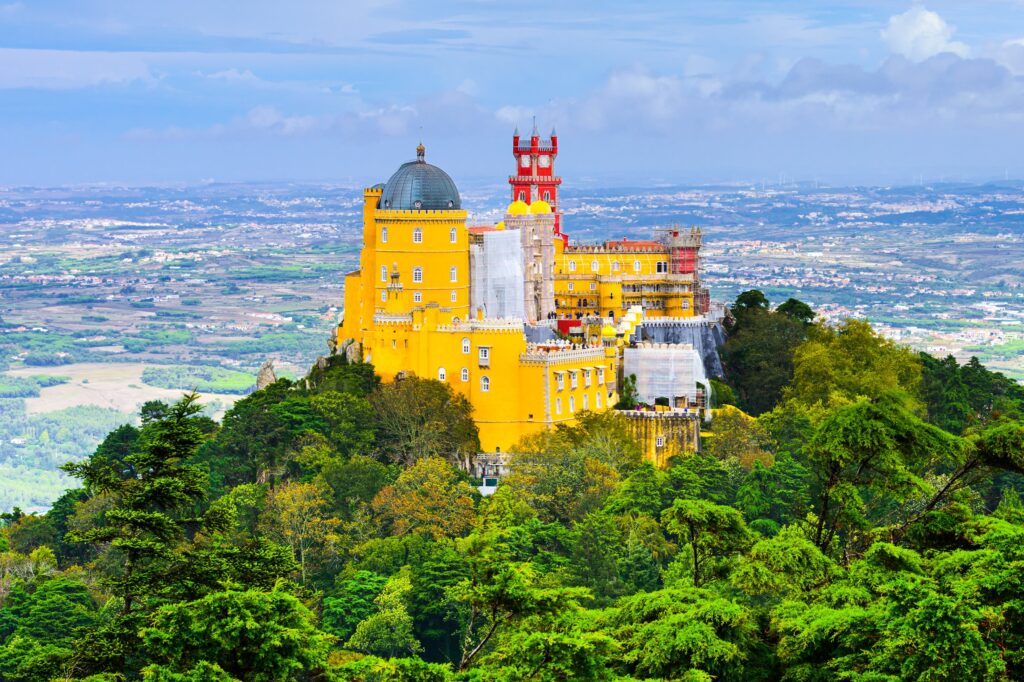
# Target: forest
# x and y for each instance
(854, 514)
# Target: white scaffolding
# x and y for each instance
(665, 371)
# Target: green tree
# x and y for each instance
(417, 418)
(389, 631)
(352, 601)
(154, 507)
(710, 530)
(250, 635)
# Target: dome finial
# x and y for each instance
(421, 152)
(535, 126)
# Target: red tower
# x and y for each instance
(535, 177)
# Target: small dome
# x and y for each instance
(420, 186)
(608, 331)
(517, 207)
(500, 225)
(540, 206)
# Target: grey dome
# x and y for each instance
(420, 186)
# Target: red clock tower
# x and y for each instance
(535, 178)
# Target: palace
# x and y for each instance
(532, 330)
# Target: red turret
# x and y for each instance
(535, 177)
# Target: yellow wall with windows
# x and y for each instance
(597, 280)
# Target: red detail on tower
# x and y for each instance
(535, 177)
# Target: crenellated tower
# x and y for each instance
(535, 178)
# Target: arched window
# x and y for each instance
(441, 374)
(547, 195)
(465, 346)
(485, 384)
(417, 236)
(383, 297)
(383, 235)
(586, 401)
(454, 296)
(383, 273)
(594, 266)
(453, 274)
(417, 274)
(522, 196)
(572, 266)
(572, 405)
(615, 266)
(465, 373)
(417, 297)
(558, 406)
(453, 236)
(636, 266)
(569, 285)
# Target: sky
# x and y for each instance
(867, 92)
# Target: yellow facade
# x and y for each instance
(407, 312)
(608, 280)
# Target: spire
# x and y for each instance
(515, 132)
(421, 152)
(553, 133)
(535, 133)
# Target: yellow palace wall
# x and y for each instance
(610, 281)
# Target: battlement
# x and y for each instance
(504, 326)
(601, 248)
(556, 356)
(445, 216)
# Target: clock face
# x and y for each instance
(544, 161)
(524, 161)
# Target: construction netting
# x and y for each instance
(665, 371)
(497, 270)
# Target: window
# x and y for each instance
(586, 378)
(686, 304)
(522, 196)
(600, 375)
(417, 296)
(636, 266)
(453, 274)
(383, 273)
(465, 345)
(453, 236)
(572, 405)
(454, 296)
(383, 235)
(597, 400)
(485, 384)
(465, 374)
(417, 236)
(659, 442)
(594, 266)
(593, 286)
(586, 402)
(615, 266)
(570, 286)
(560, 381)
(417, 274)
(441, 374)
(383, 297)
(484, 355)
(572, 266)
(574, 381)
(662, 266)
(547, 195)
(558, 406)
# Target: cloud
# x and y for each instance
(919, 33)
(66, 69)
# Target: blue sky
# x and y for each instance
(641, 92)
